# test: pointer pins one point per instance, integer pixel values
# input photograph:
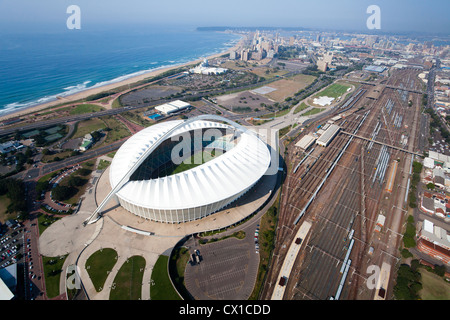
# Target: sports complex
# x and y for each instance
(179, 171)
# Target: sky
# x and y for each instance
(396, 15)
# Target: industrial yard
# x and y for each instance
(357, 160)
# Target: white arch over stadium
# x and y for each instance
(126, 177)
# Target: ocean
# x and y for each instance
(37, 67)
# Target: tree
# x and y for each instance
(76, 181)
(61, 193)
(84, 171)
(405, 253)
(439, 270)
(430, 186)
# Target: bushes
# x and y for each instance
(15, 191)
(417, 169)
(408, 283)
(410, 233)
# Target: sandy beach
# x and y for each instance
(84, 94)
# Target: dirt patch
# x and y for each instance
(243, 102)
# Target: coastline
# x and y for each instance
(90, 91)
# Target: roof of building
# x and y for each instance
(428, 162)
(435, 234)
(375, 68)
(85, 144)
(438, 156)
(305, 142)
(5, 293)
(428, 203)
(328, 134)
(215, 180)
(172, 107)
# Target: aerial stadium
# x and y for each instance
(183, 170)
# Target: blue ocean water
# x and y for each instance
(37, 67)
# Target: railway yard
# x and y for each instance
(353, 192)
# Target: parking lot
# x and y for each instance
(226, 269)
(10, 245)
(18, 246)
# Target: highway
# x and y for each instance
(114, 111)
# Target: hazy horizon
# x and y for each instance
(347, 15)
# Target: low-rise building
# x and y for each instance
(434, 241)
(87, 142)
(172, 107)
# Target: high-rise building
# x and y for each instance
(291, 41)
(322, 65)
(245, 55)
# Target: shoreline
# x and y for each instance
(91, 91)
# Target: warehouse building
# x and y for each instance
(328, 135)
(172, 107)
(306, 142)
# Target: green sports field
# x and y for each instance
(335, 90)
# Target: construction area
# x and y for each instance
(348, 184)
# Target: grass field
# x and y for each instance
(189, 163)
(161, 287)
(118, 129)
(276, 114)
(312, 112)
(85, 108)
(4, 203)
(87, 126)
(434, 287)
(98, 266)
(301, 107)
(128, 281)
(103, 164)
(335, 90)
(52, 274)
(45, 220)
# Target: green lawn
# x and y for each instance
(85, 108)
(128, 281)
(4, 203)
(87, 126)
(301, 107)
(98, 266)
(189, 163)
(118, 130)
(434, 287)
(52, 274)
(103, 164)
(276, 114)
(335, 90)
(44, 221)
(161, 288)
(312, 112)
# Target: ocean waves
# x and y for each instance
(96, 62)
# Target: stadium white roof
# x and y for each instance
(216, 180)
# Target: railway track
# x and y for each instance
(338, 207)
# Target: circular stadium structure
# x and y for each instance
(182, 170)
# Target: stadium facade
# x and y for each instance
(161, 173)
